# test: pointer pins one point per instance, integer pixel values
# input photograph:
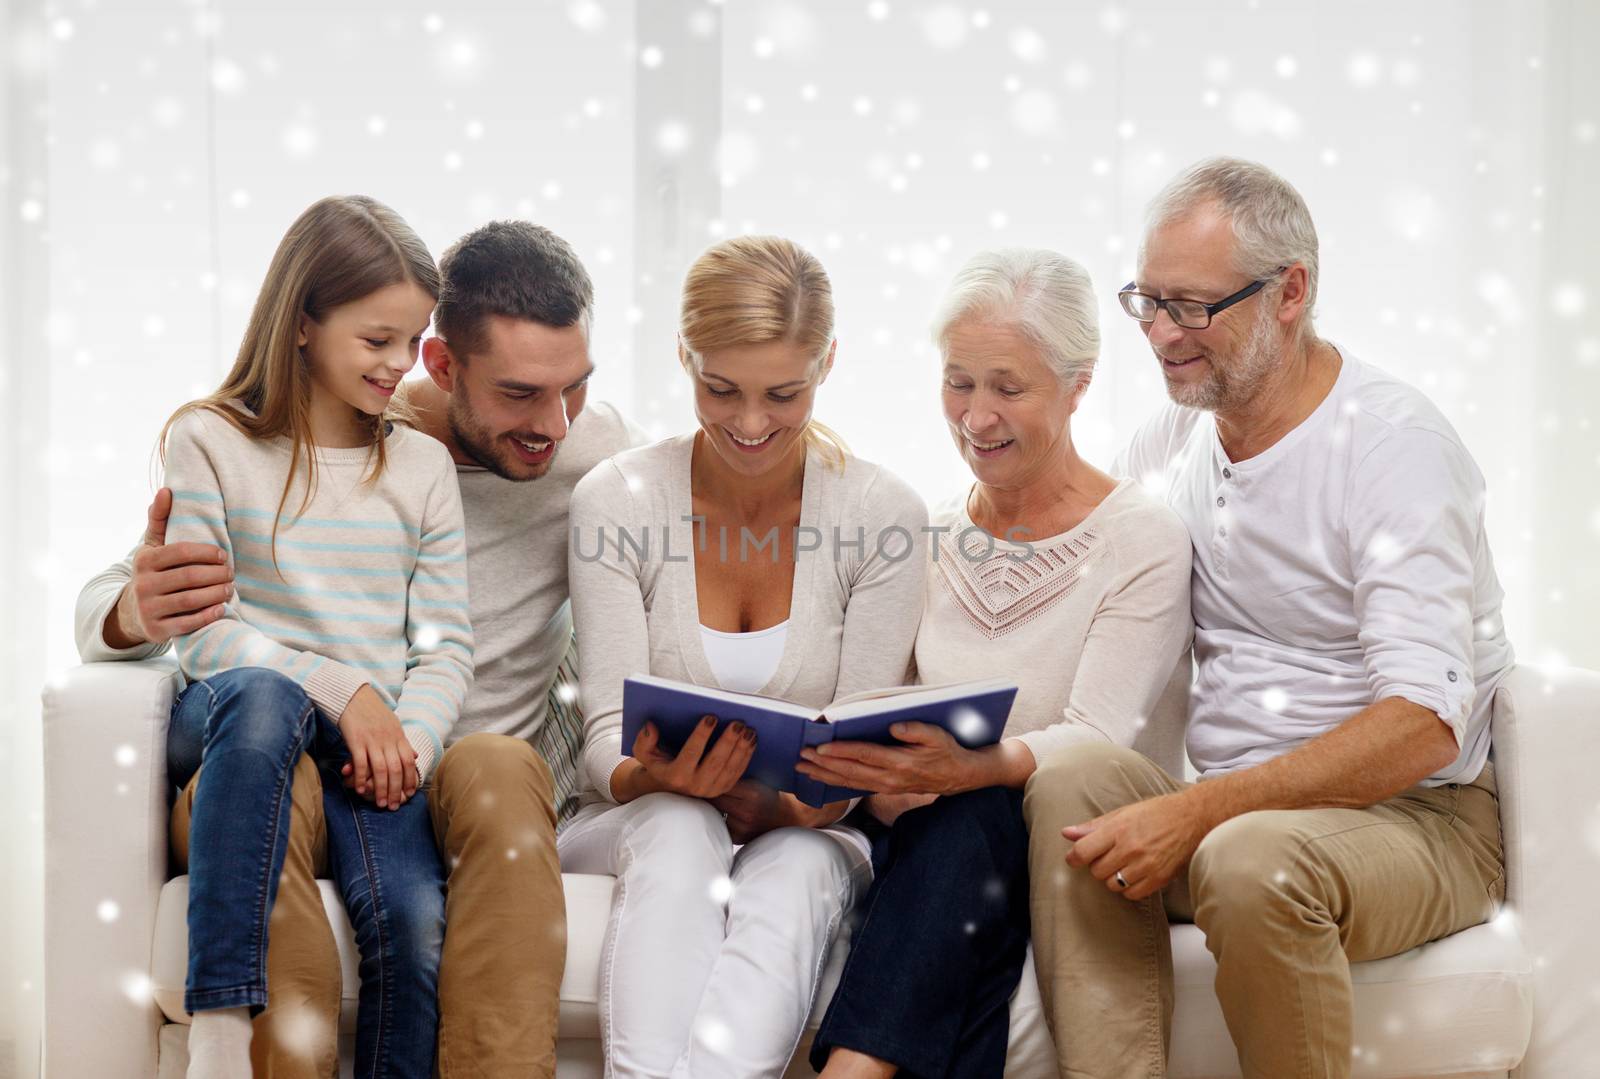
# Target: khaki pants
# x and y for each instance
(1286, 899)
(505, 945)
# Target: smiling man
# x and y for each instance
(1348, 642)
(509, 370)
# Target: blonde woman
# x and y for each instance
(775, 563)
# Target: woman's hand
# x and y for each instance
(929, 761)
(696, 771)
(383, 766)
(753, 808)
(887, 808)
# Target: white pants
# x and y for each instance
(713, 952)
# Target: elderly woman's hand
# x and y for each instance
(928, 761)
(889, 808)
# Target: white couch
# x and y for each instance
(1520, 996)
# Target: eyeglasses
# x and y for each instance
(1190, 314)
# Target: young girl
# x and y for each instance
(346, 644)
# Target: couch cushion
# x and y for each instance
(1458, 1006)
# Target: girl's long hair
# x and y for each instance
(340, 249)
(750, 290)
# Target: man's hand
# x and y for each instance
(1148, 842)
(383, 766)
(928, 761)
(176, 588)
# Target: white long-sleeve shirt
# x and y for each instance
(1345, 564)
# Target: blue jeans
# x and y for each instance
(941, 943)
(248, 726)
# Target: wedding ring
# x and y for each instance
(1122, 882)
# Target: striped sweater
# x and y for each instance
(366, 585)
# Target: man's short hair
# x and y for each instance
(511, 268)
(1271, 225)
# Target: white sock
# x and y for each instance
(219, 1044)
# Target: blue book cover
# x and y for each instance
(975, 713)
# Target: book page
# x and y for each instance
(879, 700)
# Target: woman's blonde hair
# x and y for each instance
(752, 290)
(340, 249)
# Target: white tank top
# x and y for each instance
(744, 662)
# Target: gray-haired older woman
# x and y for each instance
(1052, 573)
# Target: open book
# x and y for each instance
(973, 712)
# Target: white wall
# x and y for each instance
(1448, 151)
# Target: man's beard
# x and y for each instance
(478, 444)
(1230, 387)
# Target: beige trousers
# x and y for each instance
(1286, 899)
(505, 947)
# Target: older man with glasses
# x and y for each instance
(1348, 641)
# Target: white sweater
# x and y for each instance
(852, 620)
(1093, 625)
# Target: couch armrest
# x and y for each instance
(105, 794)
(1546, 752)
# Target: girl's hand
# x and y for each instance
(383, 766)
(697, 771)
(929, 761)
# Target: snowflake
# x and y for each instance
(1364, 70)
(587, 15)
(1384, 548)
(738, 155)
(299, 140)
(1034, 112)
(1028, 45)
(137, 987)
(673, 137)
(714, 1034)
(969, 726)
(1568, 300)
(944, 26)
(227, 76)
(1254, 113)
